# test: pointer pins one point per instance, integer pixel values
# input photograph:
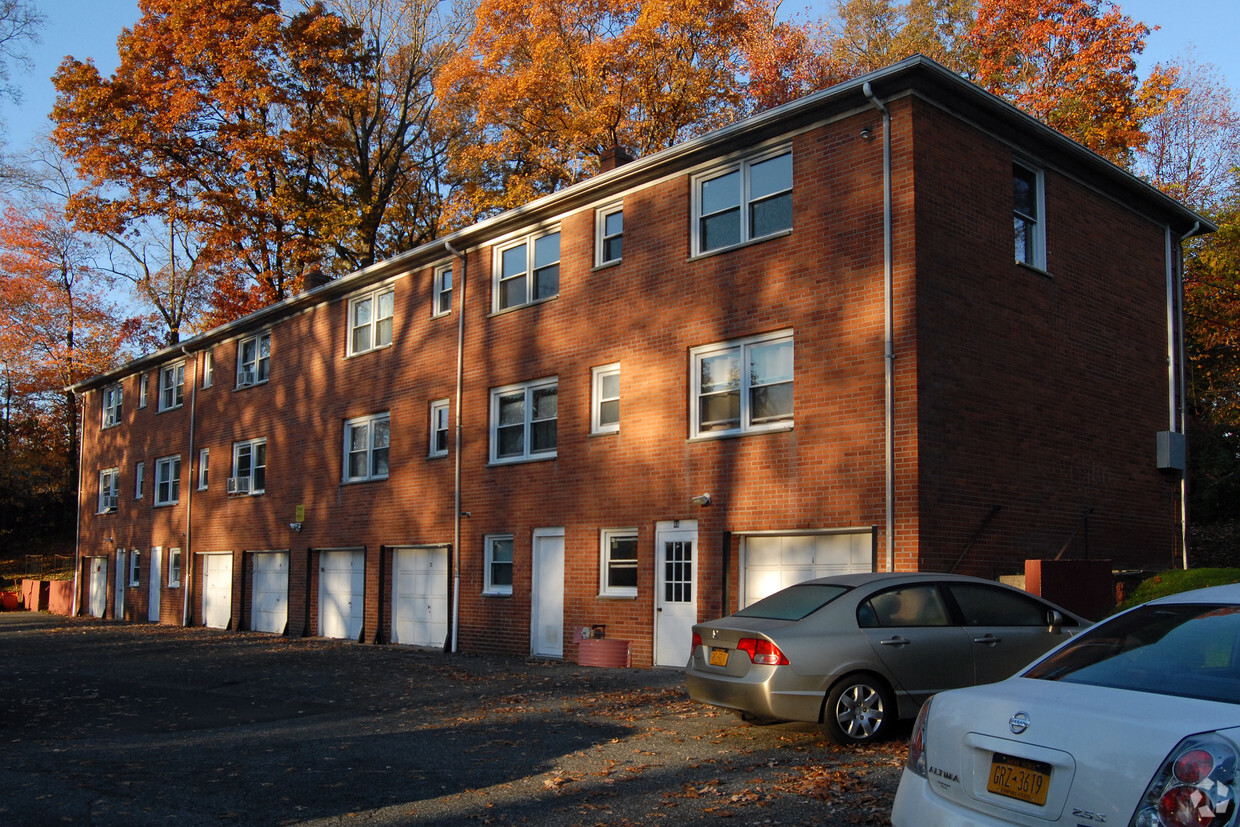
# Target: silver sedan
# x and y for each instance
(856, 652)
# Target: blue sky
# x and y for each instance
(89, 28)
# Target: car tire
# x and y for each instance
(859, 709)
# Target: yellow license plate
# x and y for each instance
(1019, 778)
(718, 657)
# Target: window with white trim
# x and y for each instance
(135, 567)
(442, 303)
(112, 405)
(208, 368)
(618, 567)
(366, 445)
(608, 235)
(1028, 207)
(743, 386)
(142, 383)
(370, 320)
(172, 386)
(109, 490)
(168, 480)
(605, 399)
(254, 359)
(527, 271)
(497, 565)
(139, 479)
(741, 202)
(249, 467)
(174, 568)
(523, 421)
(439, 429)
(204, 468)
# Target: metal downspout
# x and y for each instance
(888, 339)
(1177, 361)
(77, 540)
(456, 449)
(187, 554)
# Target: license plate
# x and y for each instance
(718, 657)
(1019, 778)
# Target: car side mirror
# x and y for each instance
(1055, 619)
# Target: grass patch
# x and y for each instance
(1174, 581)
(18, 566)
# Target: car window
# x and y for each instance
(991, 606)
(1187, 650)
(794, 602)
(906, 606)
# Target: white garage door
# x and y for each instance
(341, 578)
(773, 562)
(217, 590)
(269, 602)
(420, 596)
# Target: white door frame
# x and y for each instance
(675, 603)
(97, 589)
(154, 589)
(547, 593)
(118, 609)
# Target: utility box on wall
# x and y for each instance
(1082, 586)
(1172, 451)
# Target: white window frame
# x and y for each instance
(139, 479)
(489, 543)
(171, 387)
(745, 415)
(168, 480)
(375, 325)
(371, 450)
(441, 302)
(135, 568)
(111, 399)
(1036, 239)
(142, 388)
(744, 207)
(254, 368)
(254, 482)
(602, 236)
(204, 468)
(109, 490)
(208, 368)
(500, 281)
(528, 390)
(605, 588)
(598, 396)
(439, 424)
(174, 568)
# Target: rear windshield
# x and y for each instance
(794, 602)
(1189, 650)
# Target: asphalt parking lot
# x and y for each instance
(115, 723)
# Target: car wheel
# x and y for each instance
(859, 709)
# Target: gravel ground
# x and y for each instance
(121, 724)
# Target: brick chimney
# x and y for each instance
(612, 158)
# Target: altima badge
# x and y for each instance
(714, 633)
(1018, 723)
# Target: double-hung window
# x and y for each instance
(112, 405)
(618, 568)
(605, 400)
(142, 383)
(254, 360)
(497, 565)
(172, 386)
(135, 567)
(742, 202)
(439, 429)
(139, 479)
(109, 490)
(523, 421)
(442, 303)
(204, 468)
(528, 271)
(1028, 207)
(249, 474)
(174, 568)
(366, 444)
(370, 320)
(743, 386)
(208, 368)
(168, 480)
(608, 235)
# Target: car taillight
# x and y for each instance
(1195, 787)
(697, 641)
(762, 651)
(916, 761)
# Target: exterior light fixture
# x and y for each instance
(700, 499)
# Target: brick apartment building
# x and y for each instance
(808, 343)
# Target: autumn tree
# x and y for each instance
(20, 22)
(869, 34)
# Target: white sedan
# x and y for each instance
(1134, 722)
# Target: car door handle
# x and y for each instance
(988, 639)
(895, 641)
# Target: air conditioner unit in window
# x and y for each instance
(110, 503)
(245, 379)
(238, 485)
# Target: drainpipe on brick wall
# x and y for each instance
(888, 339)
(77, 540)
(187, 555)
(456, 448)
(1177, 382)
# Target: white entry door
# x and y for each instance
(420, 596)
(99, 585)
(153, 590)
(341, 580)
(217, 590)
(675, 603)
(547, 602)
(269, 600)
(118, 611)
